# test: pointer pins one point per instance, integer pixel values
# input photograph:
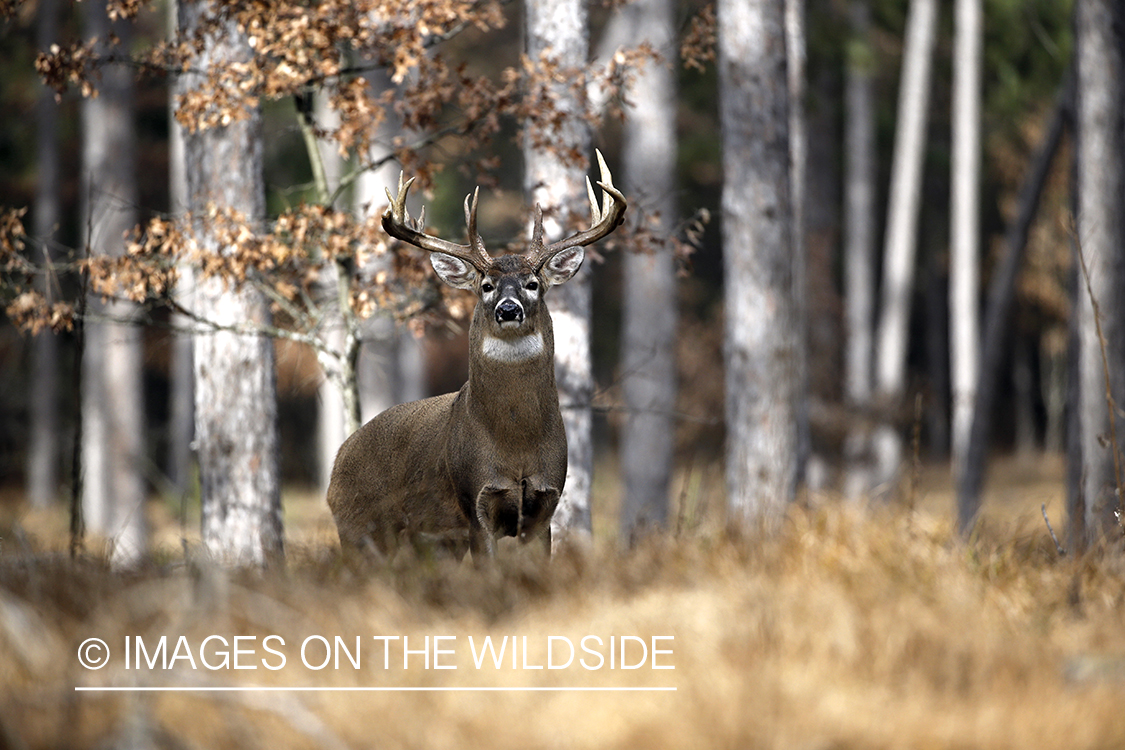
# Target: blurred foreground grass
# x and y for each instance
(848, 629)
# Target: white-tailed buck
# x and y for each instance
(462, 469)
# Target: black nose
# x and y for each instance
(509, 310)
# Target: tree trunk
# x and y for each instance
(331, 420)
(822, 218)
(43, 453)
(648, 341)
(1023, 394)
(798, 138)
(1101, 238)
(935, 297)
(113, 493)
(1001, 298)
(332, 410)
(798, 185)
(1075, 499)
(859, 249)
(761, 350)
(181, 419)
(964, 218)
(556, 181)
(902, 232)
(236, 392)
(384, 378)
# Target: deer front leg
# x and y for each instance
(538, 506)
(481, 543)
(492, 501)
(543, 537)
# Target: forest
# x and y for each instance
(840, 394)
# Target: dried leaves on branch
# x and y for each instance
(698, 47)
(280, 261)
(292, 49)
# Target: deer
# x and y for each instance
(461, 470)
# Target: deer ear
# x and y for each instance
(454, 271)
(561, 266)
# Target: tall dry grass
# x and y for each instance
(848, 629)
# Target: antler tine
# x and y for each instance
(610, 194)
(475, 241)
(537, 230)
(398, 224)
(603, 219)
(397, 206)
(595, 214)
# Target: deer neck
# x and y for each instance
(512, 379)
(512, 351)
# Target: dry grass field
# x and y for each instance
(847, 629)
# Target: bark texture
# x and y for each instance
(648, 366)
(235, 396)
(113, 492)
(1101, 238)
(762, 311)
(333, 406)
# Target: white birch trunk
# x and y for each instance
(762, 313)
(559, 26)
(235, 397)
(43, 452)
(331, 413)
(964, 215)
(902, 230)
(113, 492)
(859, 248)
(389, 368)
(1101, 234)
(648, 366)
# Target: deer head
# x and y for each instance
(511, 286)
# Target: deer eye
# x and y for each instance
(532, 285)
(486, 287)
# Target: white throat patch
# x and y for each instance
(514, 350)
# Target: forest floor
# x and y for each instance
(849, 628)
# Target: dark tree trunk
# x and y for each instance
(43, 454)
(997, 320)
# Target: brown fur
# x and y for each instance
(459, 469)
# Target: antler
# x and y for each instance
(398, 224)
(603, 219)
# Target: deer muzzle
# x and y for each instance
(509, 313)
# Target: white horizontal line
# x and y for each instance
(363, 689)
